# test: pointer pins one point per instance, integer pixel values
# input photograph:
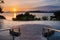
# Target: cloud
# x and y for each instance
(32, 3)
(53, 2)
(23, 2)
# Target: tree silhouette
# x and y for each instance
(1, 2)
(44, 18)
(1, 10)
(20, 17)
(26, 17)
(56, 16)
(2, 17)
(37, 19)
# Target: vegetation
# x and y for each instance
(56, 16)
(2, 17)
(1, 10)
(30, 17)
(26, 17)
(1, 1)
(44, 18)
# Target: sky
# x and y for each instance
(31, 2)
(22, 5)
(27, 4)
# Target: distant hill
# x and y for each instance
(46, 8)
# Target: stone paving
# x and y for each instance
(28, 32)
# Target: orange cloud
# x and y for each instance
(10, 8)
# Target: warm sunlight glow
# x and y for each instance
(14, 9)
(14, 15)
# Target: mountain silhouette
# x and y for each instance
(46, 8)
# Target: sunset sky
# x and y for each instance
(23, 5)
(27, 4)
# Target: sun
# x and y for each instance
(14, 10)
